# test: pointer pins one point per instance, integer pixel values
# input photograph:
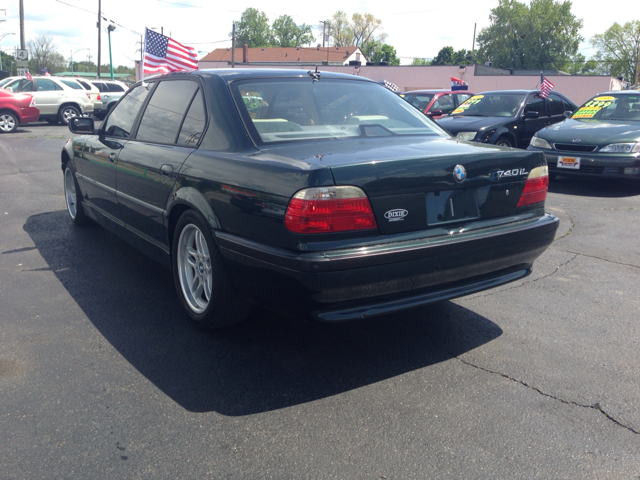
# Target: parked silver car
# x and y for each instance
(110, 92)
(57, 101)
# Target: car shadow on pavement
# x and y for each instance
(268, 362)
(601, 187)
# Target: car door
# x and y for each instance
(99, 159)
(534, 104)
(149, 164)
(48, 96)
(556, 108)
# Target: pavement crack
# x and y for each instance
(526, 282)
(596, 406)
(599, 258)
(570, 220)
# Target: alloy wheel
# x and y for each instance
(194, 268)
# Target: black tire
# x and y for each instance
(198, 266)
(71, 192)
(53, 121)
(66, 113)
(504, 142)
(8, 122)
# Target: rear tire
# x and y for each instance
(8, 122)
(71, 192)
(204, 288)
(66, 113)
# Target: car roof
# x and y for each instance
(620, 92)
(230, 74)
(436, 91)
(512, 92)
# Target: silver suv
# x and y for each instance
(110, 92)
(57, 102)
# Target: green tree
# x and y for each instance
(253, 29)
(447, 56)
(377, 52)
(618, 49)
(286, 33)
(421, 61)
(579, 65)
(43, 53)
(543, 34)
(8, 63)
(341, 30)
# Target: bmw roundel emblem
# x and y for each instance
(459, 173)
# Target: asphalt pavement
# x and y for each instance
(102, 377)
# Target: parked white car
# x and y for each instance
(110, 92)
(94, 93)
(57, 101)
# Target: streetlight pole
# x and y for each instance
(1, 37)
(73, 53)
(110, 29)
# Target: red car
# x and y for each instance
(436, 103)
(16, 108)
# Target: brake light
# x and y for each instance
(33, 101)
(99, 97)
(535, 190)
(329, 210)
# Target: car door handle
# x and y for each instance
(112, 157)
(166, 170)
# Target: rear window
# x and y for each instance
(114, 87)
(292, 109)
(610, 107)
(72, 84)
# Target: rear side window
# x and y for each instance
(72, 84)
(555, 105)
(114, 87)
(163, 116)
(100, 86)
(194, 123)
(120, 122)
(85, 85)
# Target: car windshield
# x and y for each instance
(290, 109)
(610, 107)
(418, 100)
(490, 105)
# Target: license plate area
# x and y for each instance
(450, 206)
(572, 163)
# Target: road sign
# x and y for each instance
(22, 71)
(22, 63)
(22, 54)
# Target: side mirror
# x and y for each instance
(435, 113)
(531, 115)
(568, 114)
(82, 125)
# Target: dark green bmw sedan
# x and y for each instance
(602, 138)
(309, 193)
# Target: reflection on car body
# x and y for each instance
(327, 196)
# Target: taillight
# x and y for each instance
(99, 97)
(33, 102)
(535, 190)
(329, 210)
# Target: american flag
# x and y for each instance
(163, 54)
(545, 86)
(29, 76)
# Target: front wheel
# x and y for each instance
(8, 122)
(503, 142)
(204, 289)
(71, 192)
(67, 113)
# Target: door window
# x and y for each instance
(21, 85)
(444, 103)
(71, 84)
(46, 85)
(101, 86)
(163, 116)
(120, 121)
(194, 123)
(536, 104)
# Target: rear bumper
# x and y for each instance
(359, 282)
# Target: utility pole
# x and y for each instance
(233, 46)
(22, 25)
(324, 28)
(99, 32)
(473, 46)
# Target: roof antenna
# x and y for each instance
(314, 75)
